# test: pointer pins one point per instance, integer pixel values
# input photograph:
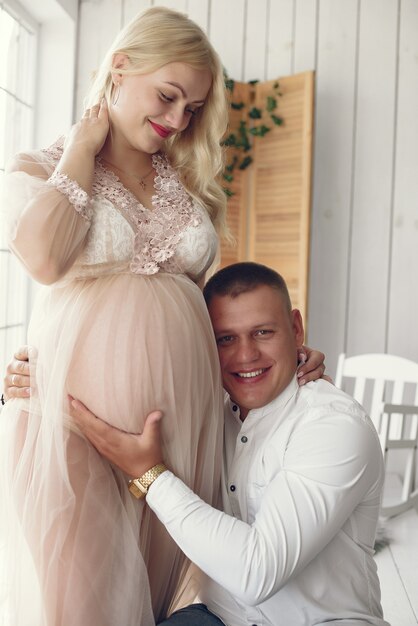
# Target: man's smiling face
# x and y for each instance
(257, 338)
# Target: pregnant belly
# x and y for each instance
(143, 343)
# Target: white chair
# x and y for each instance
(387, 387)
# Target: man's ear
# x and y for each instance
(120, 60)
(297, 324)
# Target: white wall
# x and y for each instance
(364, 246)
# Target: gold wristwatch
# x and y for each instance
(139, 486)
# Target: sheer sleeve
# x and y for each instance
(48, 214)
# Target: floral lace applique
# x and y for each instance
(157, 231)
(75, 194)
(55, 150)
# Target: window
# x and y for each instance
(18, 47)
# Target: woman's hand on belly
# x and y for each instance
(133, 453)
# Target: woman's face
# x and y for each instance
(152, 107)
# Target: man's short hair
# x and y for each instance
(239, 278)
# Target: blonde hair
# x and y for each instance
(154, 38)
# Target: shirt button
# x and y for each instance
(235, 408)
(244, 439)
(232, 488)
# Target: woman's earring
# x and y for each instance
(116, 94)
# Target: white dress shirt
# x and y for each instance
(301, 494)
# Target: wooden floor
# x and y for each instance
(398, 570)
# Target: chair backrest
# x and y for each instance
(379, 378)
(387, 387)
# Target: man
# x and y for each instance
(302, 476)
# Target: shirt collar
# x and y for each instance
(275, 405)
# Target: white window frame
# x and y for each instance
(55, 22)
(16, 286)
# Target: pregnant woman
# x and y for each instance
(118, 221)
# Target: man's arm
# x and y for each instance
(302, 509)
(329, 469)
(16, 383)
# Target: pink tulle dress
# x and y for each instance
(124, 329)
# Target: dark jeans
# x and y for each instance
(192, 615)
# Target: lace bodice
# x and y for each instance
(176, 236)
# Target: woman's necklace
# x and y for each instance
(139, 179)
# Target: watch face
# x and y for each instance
(139, 486)
(135, 489)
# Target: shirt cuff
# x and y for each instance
(165, 494)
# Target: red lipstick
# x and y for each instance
(160, 130)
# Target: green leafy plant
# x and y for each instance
(255, 122)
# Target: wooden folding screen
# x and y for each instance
(269, 212)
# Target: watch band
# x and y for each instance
(139, 486)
